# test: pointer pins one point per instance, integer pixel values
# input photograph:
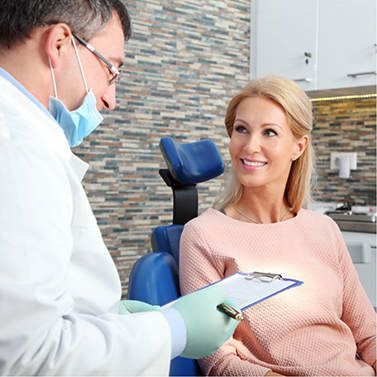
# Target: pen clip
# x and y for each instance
(264, 277)
(230, 311)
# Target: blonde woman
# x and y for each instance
(325, 327)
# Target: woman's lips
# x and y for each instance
(254, 164)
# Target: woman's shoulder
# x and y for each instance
(313, 217)
(207, 222)
(203, 227)
(207, 218)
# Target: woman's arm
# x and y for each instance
(358, 312)
(198, 268)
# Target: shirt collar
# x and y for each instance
(79, 166)
(23, 90)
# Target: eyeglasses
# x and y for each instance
(114, 72)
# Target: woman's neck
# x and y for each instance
(261, 207)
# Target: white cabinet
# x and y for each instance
(347, 37)
(365, 264)
(338, 35)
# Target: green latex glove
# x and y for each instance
(133, 306)
(207, 328)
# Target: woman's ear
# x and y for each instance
(301, 145)
(58, 43)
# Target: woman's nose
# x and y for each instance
(253, 144)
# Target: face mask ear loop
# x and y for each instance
(78, 58)
(53, 79)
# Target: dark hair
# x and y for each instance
(19, 18)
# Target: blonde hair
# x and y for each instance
(298, 109)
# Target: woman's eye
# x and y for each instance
(240, 129)
(270, 133)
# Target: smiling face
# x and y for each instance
(262, 146)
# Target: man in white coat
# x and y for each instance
(59, 288)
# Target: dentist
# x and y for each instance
(59, 289)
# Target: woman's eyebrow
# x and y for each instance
(264, 125)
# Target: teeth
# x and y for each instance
(249, 163)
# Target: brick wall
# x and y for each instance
(185, 61)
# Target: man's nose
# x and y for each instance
(108, 99)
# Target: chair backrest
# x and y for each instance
(188, 164)
(192, 163)
(154, 277)
(167, 237)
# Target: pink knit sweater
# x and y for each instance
(315, 329)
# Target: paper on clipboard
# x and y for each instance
(247, 290)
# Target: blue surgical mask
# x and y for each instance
(79, 123)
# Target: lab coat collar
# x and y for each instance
(79, 166)
(43, 124)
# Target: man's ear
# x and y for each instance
(58, 43)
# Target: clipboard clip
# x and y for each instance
(264, 277)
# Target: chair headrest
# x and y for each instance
(192, 163)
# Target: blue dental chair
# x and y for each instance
(155, 276)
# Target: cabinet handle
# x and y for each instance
(307, 80)
(362, 73)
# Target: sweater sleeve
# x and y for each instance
(199, 267)
(358, 312)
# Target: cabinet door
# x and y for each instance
(347, 35)
(281, 33)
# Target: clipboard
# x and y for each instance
(247, 290)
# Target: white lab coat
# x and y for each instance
(59, 288)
